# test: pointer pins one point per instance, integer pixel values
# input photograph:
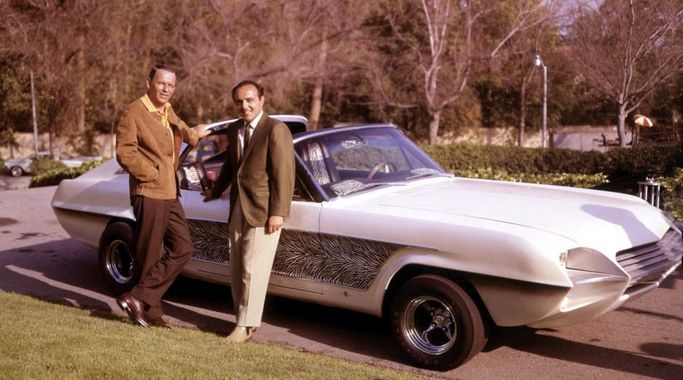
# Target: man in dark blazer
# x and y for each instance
(260, 167)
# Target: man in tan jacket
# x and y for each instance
(148, 140)
(260, 167)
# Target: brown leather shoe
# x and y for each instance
(159, 322)
(241, 334)
(133, 307)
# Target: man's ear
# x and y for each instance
(147, 84)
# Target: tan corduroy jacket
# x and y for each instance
(146, 150)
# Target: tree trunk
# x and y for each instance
(316, 104)
(621, 123)
(81, 98)
(317, 99)
(434, 127)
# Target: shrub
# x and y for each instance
(561, 179)
(54, 176)
(45, 164)
(636, 162)
(672, 192)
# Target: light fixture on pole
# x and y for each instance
(538, 61)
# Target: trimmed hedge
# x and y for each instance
(586, 181)
(44, 165)
(638, 162)
(54, 176)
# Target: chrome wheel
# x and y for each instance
(116, 257)
(430, 325)
(118, 261)
(436, 322)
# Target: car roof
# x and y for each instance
(327, 131)
(296, 123)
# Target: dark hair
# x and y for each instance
(160, 66)
(259, 88)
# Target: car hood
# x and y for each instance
(597, 219)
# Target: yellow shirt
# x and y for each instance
(163, 111)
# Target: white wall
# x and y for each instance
(60, 146)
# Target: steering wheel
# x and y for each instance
(375, 169)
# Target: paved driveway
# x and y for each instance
(644, 339)
(7, 182)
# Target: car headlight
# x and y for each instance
(590, 260)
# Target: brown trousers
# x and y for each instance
(163, 247)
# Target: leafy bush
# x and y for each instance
(560, 179)
(637, 162)
(54, 176)
(45, 164)
(672, 192)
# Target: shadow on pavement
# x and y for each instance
(539, 343)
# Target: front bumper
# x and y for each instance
(593, 294)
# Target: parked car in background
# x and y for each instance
(378, 227)
(78, 161)
(20, 166)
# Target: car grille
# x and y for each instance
(649, 263)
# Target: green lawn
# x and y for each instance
(42, 340)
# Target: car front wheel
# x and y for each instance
(436, 323)
(116, 257)
(16, 171)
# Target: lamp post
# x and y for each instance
(538, 61)
(33, 113)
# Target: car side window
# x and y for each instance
(201, 165)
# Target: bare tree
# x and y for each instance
(447, 44)
(55, 40)
(627, 49)
(315, 48)
(305, 47)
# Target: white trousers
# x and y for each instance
(252, 252)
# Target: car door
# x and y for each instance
(292, 271)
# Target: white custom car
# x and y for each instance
(378, 227)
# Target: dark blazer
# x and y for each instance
(263, 182)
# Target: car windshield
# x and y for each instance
(351, 160)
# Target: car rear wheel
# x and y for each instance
(436, 323)
(116, 257)
(16, 171)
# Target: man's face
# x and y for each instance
(161, 87)
(247, 102)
